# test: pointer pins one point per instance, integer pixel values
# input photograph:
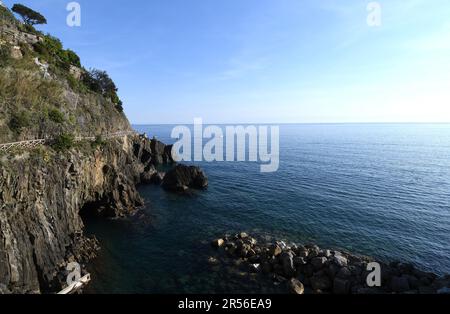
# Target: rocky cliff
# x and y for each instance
(44, 190)
(41, 196)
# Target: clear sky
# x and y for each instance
(265, 61)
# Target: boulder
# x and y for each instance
(218, 243)
(296, 287)
(275, 250)
(313, 251)
(243, 235)
(287, 260)
(302, 253)
(320, 282)
(340, 260)
(299, 261)
(182, 177)
(318, 262)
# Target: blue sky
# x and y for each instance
(266, 61)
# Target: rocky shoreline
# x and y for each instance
(309, 269)
(45, 195)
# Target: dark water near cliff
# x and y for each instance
(380, 190)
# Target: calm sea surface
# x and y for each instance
(376, 189)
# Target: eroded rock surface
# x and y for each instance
(40, 201)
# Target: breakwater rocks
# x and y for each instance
(311, 270)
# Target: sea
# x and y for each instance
(381, 190)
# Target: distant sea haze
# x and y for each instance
(381, 190)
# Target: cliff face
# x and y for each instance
(44, 190)
(41, 197)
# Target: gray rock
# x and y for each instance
(319, 262)
(320, 282)
(287, 260)
(340, 260)
(299, 261)
(218, 243)
(313, 251)
(243, 235)
(296, 287)
(275, 250)
(302, 253)
(182, 177)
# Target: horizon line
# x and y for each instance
(289, 123)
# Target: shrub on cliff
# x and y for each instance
(99, 82)
(52, 50)
(99, 141)
(5, 55)
(6, 15)
(56, 116)
(63, 142)
(19, 121)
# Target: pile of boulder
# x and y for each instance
(310, 269)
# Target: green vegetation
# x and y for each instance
(6, 15)
(99, 82)
(63, 142)
(19, 121)
(30, 89)
(5, 55)
(99, 141)
(52, 51)
(36, 105)
(29, 16)
(56, 116)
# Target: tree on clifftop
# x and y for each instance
(29, 16)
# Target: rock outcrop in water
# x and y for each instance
(310, 269)
(182, 177)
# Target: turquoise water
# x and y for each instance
(376, 189)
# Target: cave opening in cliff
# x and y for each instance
(95, 209)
